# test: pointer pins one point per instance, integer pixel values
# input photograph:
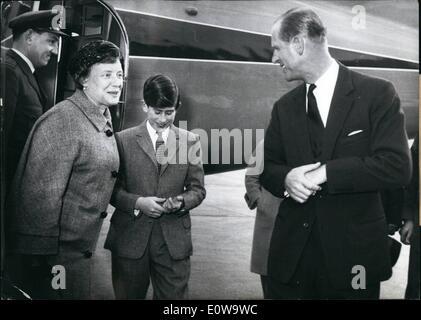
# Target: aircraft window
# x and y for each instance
(93, 18)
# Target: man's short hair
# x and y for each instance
(301, 21)
(17, 34)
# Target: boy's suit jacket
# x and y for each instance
(139, 177)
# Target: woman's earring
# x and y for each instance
(85, 87)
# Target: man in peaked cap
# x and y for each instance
(34, 41)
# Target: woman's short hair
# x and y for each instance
(160, 91)
(97, 51)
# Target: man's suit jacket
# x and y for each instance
(24, 103)
(350, 216)
(139, 177)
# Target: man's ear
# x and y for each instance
(28, 35)
(144, 106)
(297, 43)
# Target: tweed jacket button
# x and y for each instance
(87, 254)
(109, 133)
(104, 214)
(305, 225)
(114, 174)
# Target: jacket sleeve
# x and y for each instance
(41, 180)
(275, 168)
(389, 164)
(411, 203)
(195, 180)
(252, 190)
(11, 93)
(121, 199)
(252, 177)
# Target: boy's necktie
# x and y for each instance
(159, 150)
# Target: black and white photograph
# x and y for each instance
(236, 151)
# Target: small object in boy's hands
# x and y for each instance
(172, 204)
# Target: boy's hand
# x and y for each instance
(150, 206)
(173, 204)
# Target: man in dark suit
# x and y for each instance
(34, 41)
(332, 144)
(150, 231)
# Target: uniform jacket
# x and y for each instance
(23, 101)
(139, 177)
(350, 215)
(64, 180)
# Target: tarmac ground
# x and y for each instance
(222, 230)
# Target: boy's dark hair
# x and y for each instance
(160, 91)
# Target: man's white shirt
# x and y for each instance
(325, 86)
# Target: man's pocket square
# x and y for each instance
(354, 132)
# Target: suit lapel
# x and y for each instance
(42, 94)
(27, 71)
(297, 130)
(340, 106)
(144, 141)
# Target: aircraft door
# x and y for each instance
(83, 21)
(87, 21)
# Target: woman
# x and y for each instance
(65, 179)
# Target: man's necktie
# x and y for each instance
(315, 124)
(159, 150)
